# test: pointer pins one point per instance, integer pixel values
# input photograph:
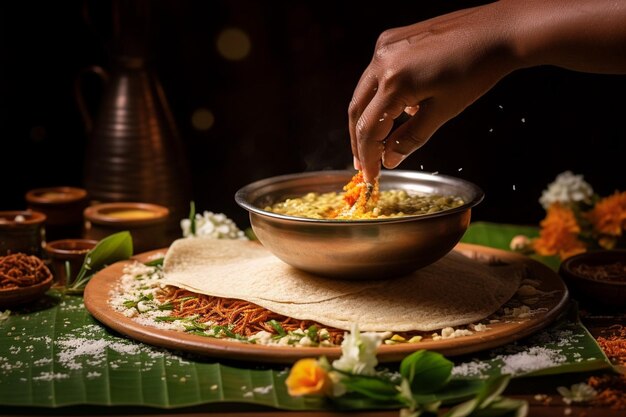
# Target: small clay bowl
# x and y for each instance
(63, 207)
(67, 251)
(22, 295)
(146, 223)
(21, 231)
(583, 274)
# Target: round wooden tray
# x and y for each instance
(99, 288)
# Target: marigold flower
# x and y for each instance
(559, 233)
(307, 377)
(608, 217)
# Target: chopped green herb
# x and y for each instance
(277, 328)
(312, 333)
(168, 319)
(194, 325)
(155, 262)
(166, 306)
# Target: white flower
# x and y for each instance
(566, 189)
(358, 352)
(577, 393)
(213, 225)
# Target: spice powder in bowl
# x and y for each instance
(597, 276)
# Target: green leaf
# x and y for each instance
(566, 340)
(375, 388)
(38, 368)
(356, 401)
(504, 407)
(113, 248)
(497, 235)
(492, 390)
(454, 391)
(489, 393)
(426, 371)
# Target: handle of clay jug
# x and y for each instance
(80, 97)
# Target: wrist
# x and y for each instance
(513, 51)
(581, 35)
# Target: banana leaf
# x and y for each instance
(497, 235)
(54, 354)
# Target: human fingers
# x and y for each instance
(413, 133)
(372, 128)
(411, 110)
(363, 94)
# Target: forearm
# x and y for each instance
(582, 35)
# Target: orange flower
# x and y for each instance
(608, 217)
(559, 233)
(307, 377)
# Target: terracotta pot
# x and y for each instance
(63, 207)
(66, 258)
(604, 293)
(147, 223)
(21, 231)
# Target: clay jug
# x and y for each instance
(134, 151)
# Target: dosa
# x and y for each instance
(453, 291)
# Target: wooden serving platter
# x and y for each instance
(98, 291)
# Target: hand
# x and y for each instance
(434, 69)
(431, 70)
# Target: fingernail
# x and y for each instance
(357, 163)
(392, 159)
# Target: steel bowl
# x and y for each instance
(358, 249)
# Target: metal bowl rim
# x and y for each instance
(241, 197)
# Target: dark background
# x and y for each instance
(283, 108)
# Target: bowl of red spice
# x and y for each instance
(23, 278)
(597, 276)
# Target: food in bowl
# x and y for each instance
(597, 276)
(391, 203)
(377, 248)
(615, 271)
(20, 270)
(23, 278)
(353, 204)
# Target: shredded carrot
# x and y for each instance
(245, 318)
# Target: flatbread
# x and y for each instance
(244, 270)
(453, 291)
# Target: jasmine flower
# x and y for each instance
(566, 189)
(213, 225)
